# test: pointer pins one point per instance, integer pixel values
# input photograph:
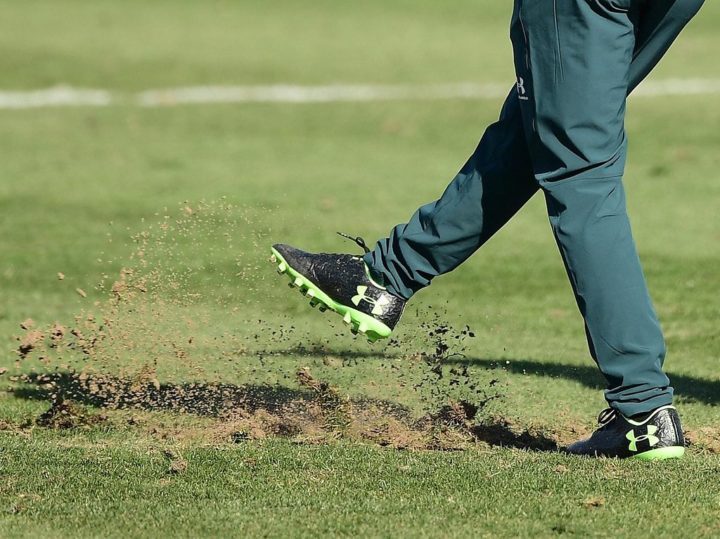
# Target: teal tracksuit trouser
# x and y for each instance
(562, 131)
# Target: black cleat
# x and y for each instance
(655, 437)
(343, 284)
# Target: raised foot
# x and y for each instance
(322, 302)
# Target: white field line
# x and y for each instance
(670, 87)
(319, 94)
(66, 96)
(59, 96)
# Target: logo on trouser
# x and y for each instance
(522, 92)
(650, 437)
(378, 304)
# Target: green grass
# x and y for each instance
(76, 184)
(275, 489)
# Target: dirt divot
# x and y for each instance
(314, 413)
(156, 316)
(68, 415)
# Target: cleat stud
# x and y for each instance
(310, 293)
(298, 282)
(362, 328)
(273, 258)
(347, 319)
(282, 267)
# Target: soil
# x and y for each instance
(28, 342)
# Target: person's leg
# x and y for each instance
(576, 61)
(658, 23)
(496, 182)
(493, 185)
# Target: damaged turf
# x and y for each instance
(158, 339)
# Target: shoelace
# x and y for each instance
(606, 416)
(356, 239)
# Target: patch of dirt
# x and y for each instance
(704, 438)
(594, 502)
(6, 425)
(177, 465)
(68, 415)
(317, 412)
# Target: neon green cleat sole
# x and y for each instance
(359, 322)
(661, 453)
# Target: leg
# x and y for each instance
(575, 109)
(493, 185)
(657, 23)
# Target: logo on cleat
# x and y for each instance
(378, 304)
(650, 437)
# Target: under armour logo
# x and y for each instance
(650, 437)
(378, 304)
(522, 92)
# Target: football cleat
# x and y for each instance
(343, 284)
(655, 436)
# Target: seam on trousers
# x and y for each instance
(559, 62)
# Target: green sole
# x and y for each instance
(661, 454)
(359, 322)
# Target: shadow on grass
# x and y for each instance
(188, 398)
(500, 434)
(688, 387)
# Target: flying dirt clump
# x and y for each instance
(28, 342)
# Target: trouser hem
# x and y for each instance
(629, 409)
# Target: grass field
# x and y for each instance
(169, 402)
